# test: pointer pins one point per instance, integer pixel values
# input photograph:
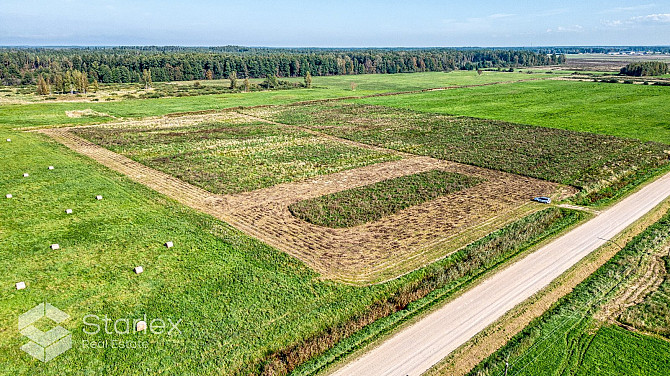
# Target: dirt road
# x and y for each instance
(416, 348)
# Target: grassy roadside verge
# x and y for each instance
(440, 281)
(562, 339)
(620, 189)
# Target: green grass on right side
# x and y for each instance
(615, 351)
(631, 111)
(567, 339)
(372, 202)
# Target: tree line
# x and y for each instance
(646, 68)
(24, 66)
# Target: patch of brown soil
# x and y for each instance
(87, 112)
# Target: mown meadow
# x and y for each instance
(244, 307)
(239, 300)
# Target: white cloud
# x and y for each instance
(659, 17)
(501, 15)
(640, 20)
(567, 29)
(630, 8)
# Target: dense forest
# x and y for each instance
(647, 68)
(26, 66)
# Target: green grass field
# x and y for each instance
(614, 351)
(239, 300)
(370, 83)
(51, 114)
(568, 340)
(245, 307)
(372, 202)
(232, 155)
(633, 111)
(604, 166)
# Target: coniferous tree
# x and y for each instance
(58, 83)
(68, 82)
(83, 82)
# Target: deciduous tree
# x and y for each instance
(233, 80)
(42, 86)
(308, 79)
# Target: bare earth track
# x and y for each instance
(368, 253)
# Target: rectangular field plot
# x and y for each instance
(226, 153)
(603, 166)
(383, 248)
(372, 202)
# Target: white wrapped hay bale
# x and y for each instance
(169, 244)
(68, 211)
(138, 270)
(98, 197)
(25, 175)
(55, 246)
(9, 195)
(20, 285)
(141, 326)
(51, 167)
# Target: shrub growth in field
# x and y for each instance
(232, 156)
(586, 160)
(371, 202)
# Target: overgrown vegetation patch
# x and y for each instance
(604, 166)
(371, 202)
(232, 156)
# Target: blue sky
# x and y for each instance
(339, 23)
